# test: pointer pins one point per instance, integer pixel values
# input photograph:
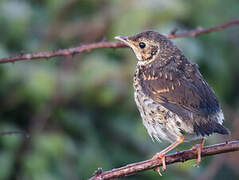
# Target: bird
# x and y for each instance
(174, 100)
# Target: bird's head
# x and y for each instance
(148, 46)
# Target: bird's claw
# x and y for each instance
(157, 169)
(162, 157)
(198, 148)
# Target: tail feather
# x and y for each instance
(210, 128)
(220, 129)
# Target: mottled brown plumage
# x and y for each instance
(174, 100)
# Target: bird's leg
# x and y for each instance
(161, 154)
(199, 148)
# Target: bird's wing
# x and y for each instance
(178, 92)
(188, 96)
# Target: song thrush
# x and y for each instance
(175, 102)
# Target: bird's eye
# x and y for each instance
(142, 45)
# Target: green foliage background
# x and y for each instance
(80, 110)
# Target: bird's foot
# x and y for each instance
(198, 148)
(162, 158)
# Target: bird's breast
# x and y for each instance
(161, 123)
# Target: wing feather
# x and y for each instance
(186, 94)
(191, 94)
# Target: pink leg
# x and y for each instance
(161, 154)
(199, 148)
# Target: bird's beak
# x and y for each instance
(124, 39)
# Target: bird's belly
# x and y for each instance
(162, 124)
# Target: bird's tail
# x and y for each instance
(220, 129)
(209, 128)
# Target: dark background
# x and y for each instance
(80, 110)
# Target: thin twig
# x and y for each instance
(89, 47)
(170, 159)
(61, 52)
(4, 133)
(200, 30)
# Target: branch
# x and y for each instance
(200, 30)
(26, 135)
(62, 52)
(89, 47)
(170, 159)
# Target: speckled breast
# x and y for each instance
(161, 124)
